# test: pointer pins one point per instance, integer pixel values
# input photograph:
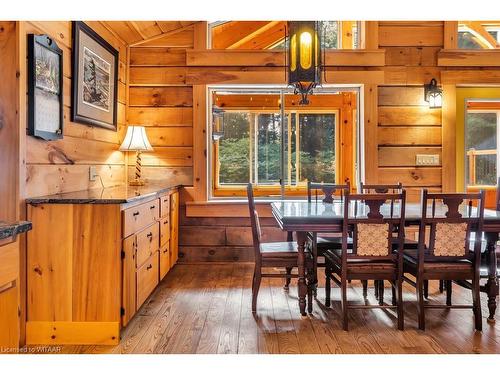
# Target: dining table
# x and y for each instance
(303, 217)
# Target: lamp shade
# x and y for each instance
(136, 140)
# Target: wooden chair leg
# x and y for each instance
(478, 317)
(255, 288)
(448, 292)
(394, 299)
(441, 286)
(328, 287)
(381, 292)
(399, 302)
(345, 324)
(420, 304)
(365, 288)
(426, 289)
(288, 278)
(375, 287)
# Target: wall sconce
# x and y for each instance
(304, 57)
(433, 94)
(217, 123)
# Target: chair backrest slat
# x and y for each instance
(254, 220)
(451, 225)
(326, 190)
(374, 226)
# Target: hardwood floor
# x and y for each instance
(207, 309)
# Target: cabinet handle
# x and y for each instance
(9, 285)
(149, 267)
(165, 222)
(150, 236)
(136, 213)
(152, 207)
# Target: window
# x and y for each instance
(482, 127)
(479, 34)
(261, 142)
(271, 34)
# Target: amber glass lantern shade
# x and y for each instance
(304, 57)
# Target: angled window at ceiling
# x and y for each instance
(261, 35)
(479, 34)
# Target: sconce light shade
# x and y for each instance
(136, 140)
(433, 94)
(304, 57)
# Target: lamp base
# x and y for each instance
(137, 182)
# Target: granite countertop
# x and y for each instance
(111, 195)
(11, 229)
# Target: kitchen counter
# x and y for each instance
(12, 229)
(112, 195)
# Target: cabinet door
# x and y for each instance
(9, 316)
(129, 279)
(147, 278)
(174, 227)
(147, 242)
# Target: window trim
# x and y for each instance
(222, 193)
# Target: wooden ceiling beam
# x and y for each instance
(166, 34)
(483, 37)
(228, 33)
(263, 38)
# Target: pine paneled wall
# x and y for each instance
(160, 100)
(63, 165)
(406, 125)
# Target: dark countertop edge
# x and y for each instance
(58, 199)
(8, 230)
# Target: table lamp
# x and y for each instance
(136, 140)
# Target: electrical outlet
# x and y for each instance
(425, 160)
(92, 173)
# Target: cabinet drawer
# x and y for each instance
(147, 279)
(147, 243)
(164, 260)
(164, 230)
(138, 217)
(165, 206)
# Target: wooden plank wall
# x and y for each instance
(160, 100)
(63, 165)
(406, 126)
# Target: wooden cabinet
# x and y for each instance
(9, 296)
(174, 227)
(104, 261)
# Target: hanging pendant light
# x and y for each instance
(304, 57)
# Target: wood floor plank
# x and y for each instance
(209, 340)
(206, 308)
(249, 332)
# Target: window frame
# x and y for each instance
(217, 192)
(467, 160)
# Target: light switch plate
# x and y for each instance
(427, 160)
(92, 173)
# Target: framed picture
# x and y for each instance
(95, 78)
(45, 88)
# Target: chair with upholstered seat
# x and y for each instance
(277, 254)
(448, 255)
(372, 219)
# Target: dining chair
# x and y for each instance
(276, 254)
(372, 218)
(384, 189)
(323, 241)
(449, 254)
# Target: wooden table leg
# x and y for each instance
(301, 242)
(492, 283)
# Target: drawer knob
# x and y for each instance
(165, 222)
(149, 267)
(150, 235)
(165, 251)
(152, 207)
(136, 213)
